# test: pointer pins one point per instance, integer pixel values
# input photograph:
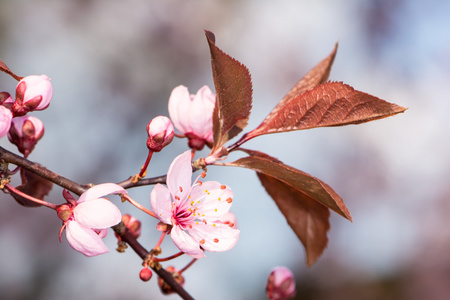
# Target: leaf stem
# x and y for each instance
(246, 137)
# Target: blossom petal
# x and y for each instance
(97, 213)
(211, 200)
(179, 103)
(161, 203)
(201, 112)
(84, 239)
(228, 219)
(5, 120)
(179, 176)
(101, 190)
(186, 243)
(214, 237)
(102, 233)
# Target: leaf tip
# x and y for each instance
(210, 36)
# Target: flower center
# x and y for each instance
(182, 217)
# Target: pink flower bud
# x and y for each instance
(192, 115)
(160, 133)
(133, 225)
(32, 93)
(145, 274)
(25, 132)
(167, 289)
(5, 120)
(6, 99)
(64, 212)
(281, 284)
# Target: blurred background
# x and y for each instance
(113, 65)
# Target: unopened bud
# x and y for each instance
(160, 133)
(64, 212)
(133, 225)
(145, 274)
(6, 99)
(32, 93)
(281, 284)
(25, 132)
(163, 227)
(166, 288)
(5, 120)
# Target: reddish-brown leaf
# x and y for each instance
(32, 185)
(317, 75)
(329, 104)
(298, 180)
(308, 218)
(233, 86)
(4, 68)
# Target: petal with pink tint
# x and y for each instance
(186, 243)
(161, 203)
(38, 85)
(280, 284)
(101, 190)
(179, 175)
(179, 103)
(97, 213)
(214, 199)
(5, 120)
(201, 112)
(102, 233)
(215, 237)
(84, 240)
(228, 219)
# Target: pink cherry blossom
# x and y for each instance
(86, 221)
(160, 133)
(5, 120)
(25, 132)
(281, 284)
(194, 211)
(33, 92)
(192, 115)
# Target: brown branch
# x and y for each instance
(78, 189)
(128, 184)
(126, 236)
(37, 169)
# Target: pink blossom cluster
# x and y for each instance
(195, 215)
(32, 93)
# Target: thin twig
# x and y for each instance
(128, 184)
